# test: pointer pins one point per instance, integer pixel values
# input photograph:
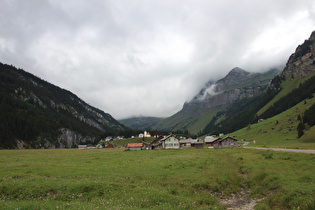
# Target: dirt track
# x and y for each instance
(284, 150)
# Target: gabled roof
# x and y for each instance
(133, 145)
(210, 140)
(160, 139)
(188, 141)
(166, 137)
(197, 142)
(228, 137)
(157, 140)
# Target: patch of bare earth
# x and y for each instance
(239, 201)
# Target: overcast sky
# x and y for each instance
(147, 57)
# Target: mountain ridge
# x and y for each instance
(214, 97)
(38, 114)
(244, 95)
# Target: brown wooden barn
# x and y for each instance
(220, 143)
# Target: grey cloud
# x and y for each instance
(144, 56)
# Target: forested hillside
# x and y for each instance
(37, 114)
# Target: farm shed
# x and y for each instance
(156, 143)
(188, 143)
(90, 146)
(82, 147)
(197, 145)
(219, 142)
(146, 145)
(136, 146)
(108, 146)
(211, 141)
(228, 142)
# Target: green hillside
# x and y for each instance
(280, 130)
(140, 123)
(286, 87)
(191, 121)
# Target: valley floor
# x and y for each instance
(157, 179)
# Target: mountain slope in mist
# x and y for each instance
(294, 85)
(216, 97)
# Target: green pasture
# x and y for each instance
(280, 130)
(157, 179)
(286, 88)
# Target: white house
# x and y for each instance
(147, 134)
(170, 142)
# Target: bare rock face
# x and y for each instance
(70, 139)
(238, 84)
(302, 62)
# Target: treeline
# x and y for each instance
(304, 91)
(308, 118)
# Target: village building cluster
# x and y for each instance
(169, 142)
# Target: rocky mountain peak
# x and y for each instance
(302, 62)
(234, 77)
(237, 71)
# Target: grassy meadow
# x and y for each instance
(157, 179)
(280, 130)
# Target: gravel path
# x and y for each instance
(284, 150)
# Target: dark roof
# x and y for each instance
(199, 142)
(157, 140)
(228, 137)
(212, 140)
(188, 141)
(145, 143)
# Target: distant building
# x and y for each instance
(212, 142)
(170, 142)
(136, 146)
(109, 146)
(108, 138)
(82, 147)
(90, 146)
(156, 143)
(191, 143)
(167, 142)
(146, 134)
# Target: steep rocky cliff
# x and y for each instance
(302, 62)
(236, 85)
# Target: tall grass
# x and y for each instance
(158, 179)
